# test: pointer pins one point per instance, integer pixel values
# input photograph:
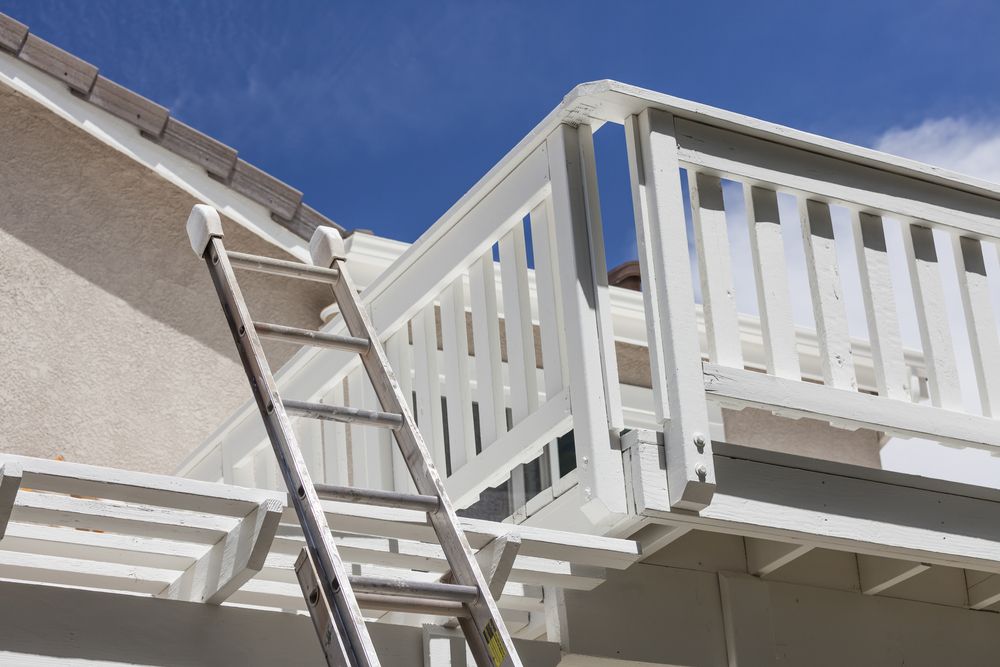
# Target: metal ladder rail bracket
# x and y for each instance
(349, 644)
(484, 629)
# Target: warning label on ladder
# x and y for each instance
(493, 644)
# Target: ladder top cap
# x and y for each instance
(203, 224)
(326, 246)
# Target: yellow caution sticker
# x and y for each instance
(493, 644)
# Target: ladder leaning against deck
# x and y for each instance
(332, 595)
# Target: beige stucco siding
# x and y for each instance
(113, 346)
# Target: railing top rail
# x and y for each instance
(612, 101)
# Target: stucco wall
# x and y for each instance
(113, 346)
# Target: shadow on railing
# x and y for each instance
(500, 323)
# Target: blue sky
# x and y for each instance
(383, 114)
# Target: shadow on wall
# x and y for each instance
(109, 220)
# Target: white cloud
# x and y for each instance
(964, 145)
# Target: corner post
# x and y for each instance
(668, 295)
(601, 474)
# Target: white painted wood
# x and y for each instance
(880, 574)
(112, 516)
(380, 445)
(455, 344)
(401, 358)
(805, 173)
(891, 375)
(711, 234)
(979, 321)
(740, 388)
(746, 616)
(437, 259)
(427, 384)
(767, 249)
(524, 443)
(541, 542)
(309, 433)
(486, 342)
(10, 482)
(336, 461)
(932, 317)
(73, 572)
(550, 323)
(839, 509)
(105, 547)
(656, 536)
(599, 266)
(428, 557)
(827, 294)
(766, 556)
(985, 593)
(688, 449)
(135, 487)
(230, 562)
(598, 464)
(360, 452)
(520, 348)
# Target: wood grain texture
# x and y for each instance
(891, 375)
(265, 189)
(932, 317)
(214, 156)
(708, 213)
(12, 34)
(741, 388)
(688, 448)
(767, 248)
(76, 73)
(116, 99)
(980, 323)
(827, 292)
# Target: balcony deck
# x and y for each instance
(528, 370)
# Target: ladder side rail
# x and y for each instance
(205, 229)
(484, 628)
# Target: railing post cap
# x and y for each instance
(326, 247)
(203, 224)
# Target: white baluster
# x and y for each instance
(836, 356)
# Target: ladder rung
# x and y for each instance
(433, 590)
(339, 413)
(350, 494)
(281, 267)
(307, 337)
(412, 605)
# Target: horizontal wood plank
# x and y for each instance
(741, 388)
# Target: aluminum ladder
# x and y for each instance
(332, 595)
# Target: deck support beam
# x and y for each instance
(766, 556)
(880, 574)
(230, 562)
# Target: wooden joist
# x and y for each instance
(230, 562)
(880, 574)
(766, 556)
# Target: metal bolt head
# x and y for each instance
(699, 439)
(702, 471)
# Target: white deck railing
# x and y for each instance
(500, 321)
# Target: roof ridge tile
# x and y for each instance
(156, 124)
